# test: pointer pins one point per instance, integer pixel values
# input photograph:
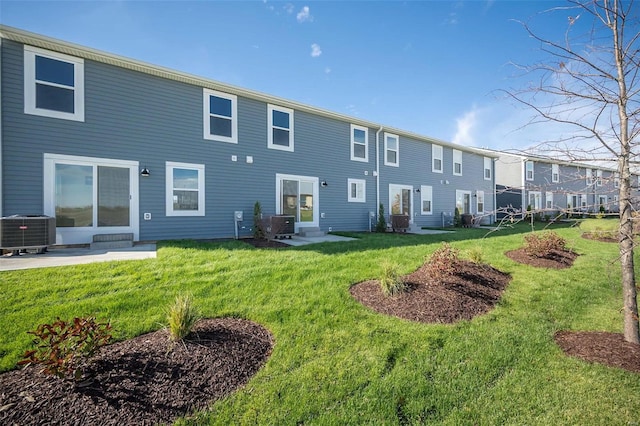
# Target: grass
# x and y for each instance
(337, 362)
(591, 225)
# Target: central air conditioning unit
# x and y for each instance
(282, 226)
(27, 232)
(399, 222)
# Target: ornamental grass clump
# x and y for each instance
(544, 244)
(63, 346)
(391, 282)
(443, 262)
(182, 316)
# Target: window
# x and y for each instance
(555, 173)
(357, 190)
(598, 177)
(589, 174)
(480, 201)
(529, 170)
(436, 154)
(583, 201)
(185, 189)
(457, 162)
(616, 180)
(391, 150)
(53, 84)
(280, 128)
(359, 143)
(548, 198)
(487, 168)
(426, 198)
(220, 116)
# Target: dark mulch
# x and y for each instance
(142, 381)
(596, 237)
(473, 290)
(605, 348)
(260, 243)
(558, 259)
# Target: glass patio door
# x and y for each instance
(463, 202)
(297, 196)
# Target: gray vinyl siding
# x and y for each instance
(139, 117)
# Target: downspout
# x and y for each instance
(523, 196)
(377, 171)
(1, 130)
(495, 192)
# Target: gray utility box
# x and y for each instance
(27, 232)
(399, 222)
(282, 226)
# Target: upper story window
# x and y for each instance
(220, 116)
(184, 189)
(391, 150)
(555, 173)
(53, 84)
(616, 180)
(457, 162)
(280, 128)
(436, 155)
(357, 192)
(589, 174)
(529, 170)
(598, 177)
(359, 143)
(487, 168)
(426, 197)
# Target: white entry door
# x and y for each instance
(401, 200)
(298, 196)
(90, 196)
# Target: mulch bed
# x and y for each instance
(260, 243)
(558, 259)
(473, 290)
(595, 237)
(605, 348)
(142, 381)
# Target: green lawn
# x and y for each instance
(337, 362)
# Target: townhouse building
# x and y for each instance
(107, 144)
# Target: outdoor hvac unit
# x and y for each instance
(27, 232)
(399, 222)
(282, 226)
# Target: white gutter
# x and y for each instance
(377, 171)
(1, 129)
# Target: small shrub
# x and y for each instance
(391, 282)
(442, 262)
(457, 221)
(182, 316)
(258, 231)
(543, 245)
(475, 255)
(381, 225)
(61, 345)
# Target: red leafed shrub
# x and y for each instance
(442, 262)
(61, 344)
(543, 245)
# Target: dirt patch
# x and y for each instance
(605, 348)
(558, 259)
(261, 243)
(473, 290)
(142, 380)
(597, 237)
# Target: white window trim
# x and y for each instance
(555, 173)
(436, 154)
(527, 165)
(170, 165)
(598, 177)
(397, 150)
(30, 54)
(589, 176)
(548, 197)
(206, 93)
(270, 127)
(583, 201)
(363, 198)
(487, 166)
(354, 143)
(426, 194)
(616, 180)
(457, 155)
(479, 195)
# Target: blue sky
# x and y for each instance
(431, 67)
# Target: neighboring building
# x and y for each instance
(552, 187)
(108, 144)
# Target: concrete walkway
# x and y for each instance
(303, 241)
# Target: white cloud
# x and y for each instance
(304, 15)
(327, 70)
(465, 125)
(315, 50)
(289, 8)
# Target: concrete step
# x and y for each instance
(310, 232)
(107, 245)
(112, 241)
